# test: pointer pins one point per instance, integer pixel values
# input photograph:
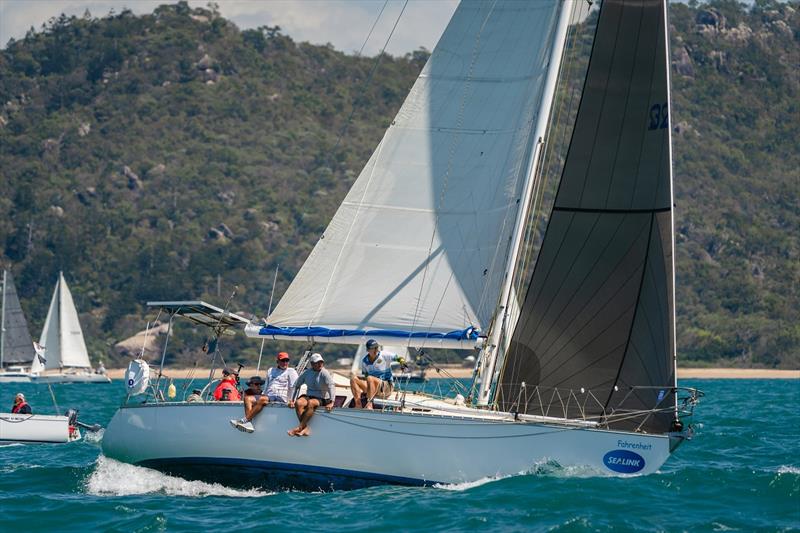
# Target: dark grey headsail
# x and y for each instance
(17, 344)
(598, 313)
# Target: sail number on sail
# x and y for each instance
(658, 117)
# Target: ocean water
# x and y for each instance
(741, 472)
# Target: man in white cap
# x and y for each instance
(21, 407)
(320, 390)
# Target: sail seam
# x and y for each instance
(635, 312)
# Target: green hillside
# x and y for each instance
(174, 156)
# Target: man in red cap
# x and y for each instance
(280, 379)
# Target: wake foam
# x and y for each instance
(468, 484)
(93, 437)
(545, 468)
(786, 469)
(113, 478)
(550, 468)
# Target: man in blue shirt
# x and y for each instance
(376, 378)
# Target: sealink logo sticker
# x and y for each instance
(623, 461)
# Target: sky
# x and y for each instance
(343, 23)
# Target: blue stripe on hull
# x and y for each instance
(269, 474)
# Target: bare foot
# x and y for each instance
(369, 406)
(294, 432)
(304, 433)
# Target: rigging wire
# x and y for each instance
(339, 140)
(368, 81)
(549, 153)
(451, 154)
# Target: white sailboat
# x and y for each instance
(18, 428)
(449, 238)
(16, 346)
(65, 354)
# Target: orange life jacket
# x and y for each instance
(230, 385)
(17, 408)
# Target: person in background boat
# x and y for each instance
(226, 391)
(195, 396)
(280, 379)
(376, 378)
(101, 369)
(320, 390)
(21, 407)
(254, 402)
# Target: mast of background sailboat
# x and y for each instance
(3, 324)
(502, 322)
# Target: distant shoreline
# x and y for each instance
(466, 372)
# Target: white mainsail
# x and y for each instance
(62, 337)
(419, 244)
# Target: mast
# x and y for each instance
(60, 331)
(672, 211)
(492, 347)
(3, 324)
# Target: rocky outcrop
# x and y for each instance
(220, 233)
(682, 63)
(157, 171)
(134, 182)
(710, 21)
(145, 342)
(227, 197)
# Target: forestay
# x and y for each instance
(419, 245)
(599, 314)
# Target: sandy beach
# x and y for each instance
(465, 372)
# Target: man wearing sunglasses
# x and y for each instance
(280, 379)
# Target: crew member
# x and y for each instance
(21, 407)
(320, 390)
(376, 378)
(254, 402)
(280, 379)
(226, 391)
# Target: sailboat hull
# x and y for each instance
(21, 428)
(352, 448)
(70, 378)
(15, 377)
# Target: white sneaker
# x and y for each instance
(243, 425)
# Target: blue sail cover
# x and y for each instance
(468, 334)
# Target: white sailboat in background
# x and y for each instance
(16, 347)
(65, 354)
(452, 237)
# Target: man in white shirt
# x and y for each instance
(376, 378)
(280, 380)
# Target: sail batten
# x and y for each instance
(419, 245)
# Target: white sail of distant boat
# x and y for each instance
(16, 347)
(65, 356)
(455, 235)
